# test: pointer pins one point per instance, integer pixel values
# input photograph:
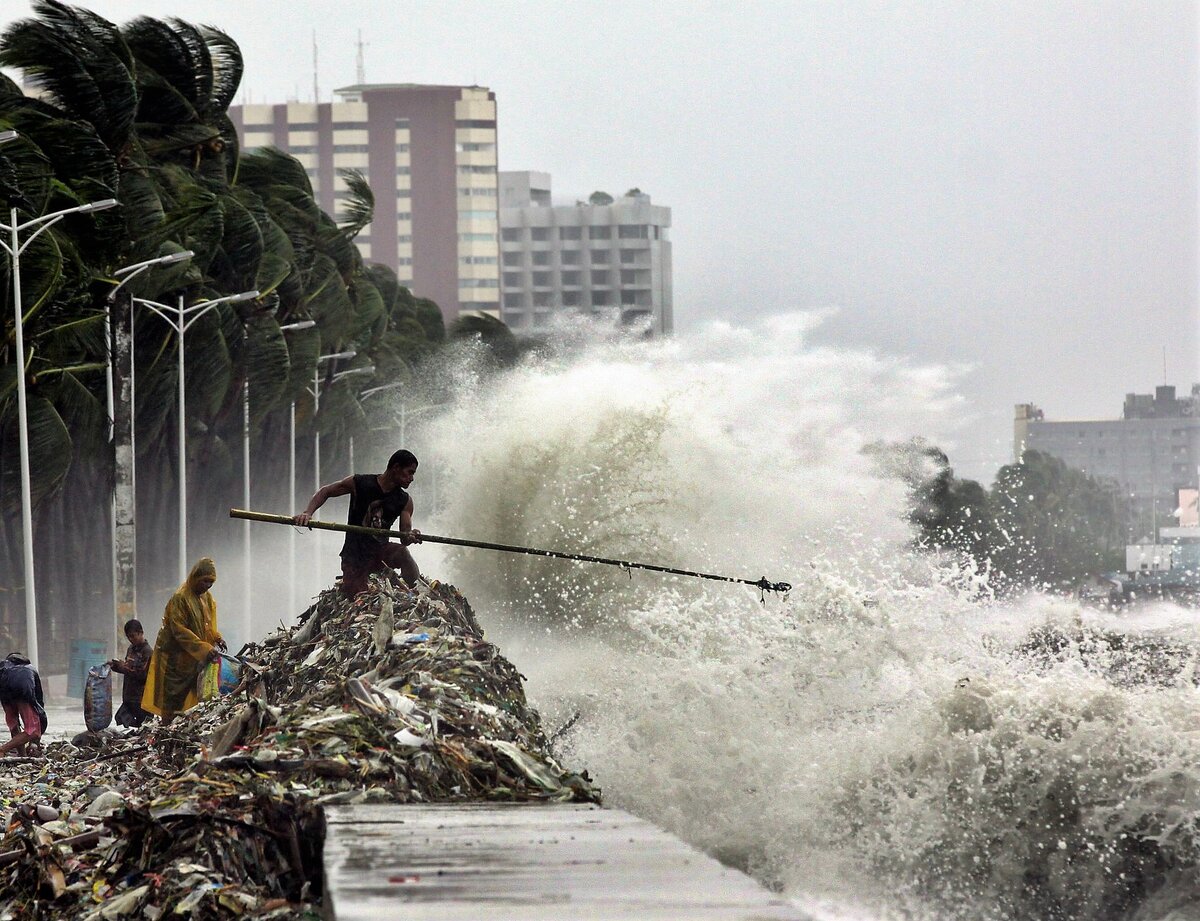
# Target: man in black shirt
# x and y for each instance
(375, 501)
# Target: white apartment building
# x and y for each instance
(611, 260)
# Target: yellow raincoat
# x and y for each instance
(185, 639)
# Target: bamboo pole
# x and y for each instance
(762, 584)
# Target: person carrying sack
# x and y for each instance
(187, 640)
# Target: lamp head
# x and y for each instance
(102, 205)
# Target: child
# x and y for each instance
(135, 668)
(24, 707)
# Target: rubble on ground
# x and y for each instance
(392, 697)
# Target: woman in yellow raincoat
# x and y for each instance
(187, 640)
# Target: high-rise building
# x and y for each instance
(429, 154)
(1150, 454)
(611, 260)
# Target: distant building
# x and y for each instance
(611, 260)
(1152, 452)
(429, 154)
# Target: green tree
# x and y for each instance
(600, 198)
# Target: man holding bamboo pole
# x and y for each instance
(376, 500)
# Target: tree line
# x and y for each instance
(1042, 524)
(139, 113)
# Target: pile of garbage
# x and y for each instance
(392, 697)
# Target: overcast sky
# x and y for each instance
(1010, 187)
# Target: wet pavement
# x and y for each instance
(526, 862)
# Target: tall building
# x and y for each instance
(429, 154)
(1152, 452)
(608, 260)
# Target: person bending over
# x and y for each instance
(24, 705)
(376, 500)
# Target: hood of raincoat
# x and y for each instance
(204, 567)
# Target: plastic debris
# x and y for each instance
(394, 696)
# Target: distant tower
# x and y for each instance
(316, 87)
(360, 70)
(429, 154)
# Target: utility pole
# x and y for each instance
(124, 498)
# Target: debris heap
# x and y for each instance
(393, 697)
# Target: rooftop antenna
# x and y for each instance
(316, 87)
(1164, 364)
(360, 70)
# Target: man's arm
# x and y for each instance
(330, 491)
(406, 525)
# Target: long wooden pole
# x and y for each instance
(762, 583)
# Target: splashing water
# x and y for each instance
(878, 744)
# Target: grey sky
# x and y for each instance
(1009, 186)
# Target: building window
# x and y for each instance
(570, 279)
(539, 234)
(349, 126)
(403, 170)
(402, 124)
(477, 215)
(601, 257)
(404, 215)
(599, 233)
(401, 148)
(541, 279)
(471, 148)
(633, 232)
(630, 255)
(628, 277)
(541, 257)
(303, 126)
(512, 279)
(512, 258)
(628, 298)
(543, 299)
(475, 123)
(570, 233)
(404, 193)
(600, 277)
(570, 298)
(478, 260)
(350, 148)
(477, 237)
(404, 238)
(468, 190)
(404, 260)
(302, 149)
(511, 234)
(599, 298)
(477, 282)
(569, 257)
(479, 170)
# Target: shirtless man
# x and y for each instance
(376, 500)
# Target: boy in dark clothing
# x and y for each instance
(24, 706)
(135, 667)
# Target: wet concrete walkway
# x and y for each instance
(526, 863)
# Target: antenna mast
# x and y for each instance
(360, 70)
(316, 87)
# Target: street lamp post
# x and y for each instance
(370, 392)
(14, 247)
(118, 338)
(180, 318)
(290, 327)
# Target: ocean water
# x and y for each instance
(885, 741)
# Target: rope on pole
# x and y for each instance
(762, 584)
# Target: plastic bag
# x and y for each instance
(97, 698)
(218, 678)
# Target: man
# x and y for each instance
(24, 705)
(376, 500)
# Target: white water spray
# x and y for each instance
(878, 742)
